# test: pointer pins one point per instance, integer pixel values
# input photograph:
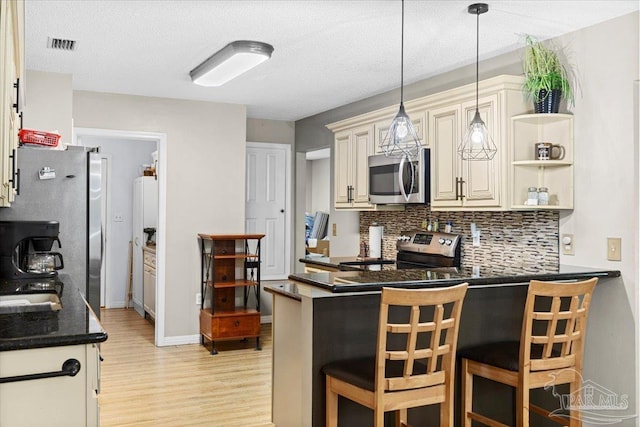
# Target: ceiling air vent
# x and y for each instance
(61, 44)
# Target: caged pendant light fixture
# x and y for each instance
(401, 139)
(477, 143)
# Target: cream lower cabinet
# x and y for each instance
(458, 184)
(12, 58)
(61, 401)
(149, 281)
(351, 171)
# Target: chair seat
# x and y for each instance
(505, 355)
(361, 372)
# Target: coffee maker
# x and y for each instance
(25, 249)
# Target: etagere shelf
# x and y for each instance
(229, 262)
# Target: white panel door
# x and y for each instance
(266, 206)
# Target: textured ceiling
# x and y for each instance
(327, 53)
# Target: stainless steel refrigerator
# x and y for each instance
(66, 186)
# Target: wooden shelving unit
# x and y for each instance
(230, 262)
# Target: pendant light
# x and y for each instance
(401, 139)
(477, 143)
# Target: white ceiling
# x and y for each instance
(327, 53)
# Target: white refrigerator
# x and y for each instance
(145, 215)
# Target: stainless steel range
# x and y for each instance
(422, 249)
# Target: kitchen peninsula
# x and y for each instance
(322, 317)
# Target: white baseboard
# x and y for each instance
(179, 340)
(266, 319)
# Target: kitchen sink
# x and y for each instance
(27, 303)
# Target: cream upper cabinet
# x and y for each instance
(381, 128)
(441, 120)
(12, 51)
(351, 171)
(458, 184)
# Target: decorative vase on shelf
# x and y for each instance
(547, 101)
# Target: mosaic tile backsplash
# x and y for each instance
(527, 240)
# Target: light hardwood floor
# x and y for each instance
(145, 385)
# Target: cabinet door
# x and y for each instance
(342, 170)
(362, 146)
(6, 72)
(482, 179)
(444, 134)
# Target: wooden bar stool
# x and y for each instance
(549, 352)
(418, 372)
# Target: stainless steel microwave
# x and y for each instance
(395, 180)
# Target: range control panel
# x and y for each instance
(427, 242)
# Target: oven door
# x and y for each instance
(394, 180)
(406, 260)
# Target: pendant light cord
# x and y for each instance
(402, 58)
(477, 53)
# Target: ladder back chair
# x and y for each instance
(418, 372)
(549, 353)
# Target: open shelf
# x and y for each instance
(527, 171)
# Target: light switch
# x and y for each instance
(335, 230)
(614, 249)
(566, 243)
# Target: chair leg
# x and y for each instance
(446, 407)
(575, 417)
(467, 394)
(378, 417)
(401, 417)
(522, 404)
(331, 405)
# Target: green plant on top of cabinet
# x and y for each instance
(554, 174)
(11, 74)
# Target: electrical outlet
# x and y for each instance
(566, 243)
(614, 249)
(334, 232)
(198, 298)
(118, 218)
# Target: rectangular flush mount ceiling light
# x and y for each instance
(229, 62)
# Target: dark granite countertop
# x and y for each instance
(74, 324)
(350, 263)
(359, 281)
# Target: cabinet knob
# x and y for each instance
(236, 323)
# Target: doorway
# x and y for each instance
(268, 205)
(129, 153)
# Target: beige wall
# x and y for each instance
(205, 180)
(606, 194)
(48, 104)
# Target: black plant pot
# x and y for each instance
(548, 102)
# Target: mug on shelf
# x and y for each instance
(548, 151)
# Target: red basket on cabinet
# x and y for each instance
(28, 136)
